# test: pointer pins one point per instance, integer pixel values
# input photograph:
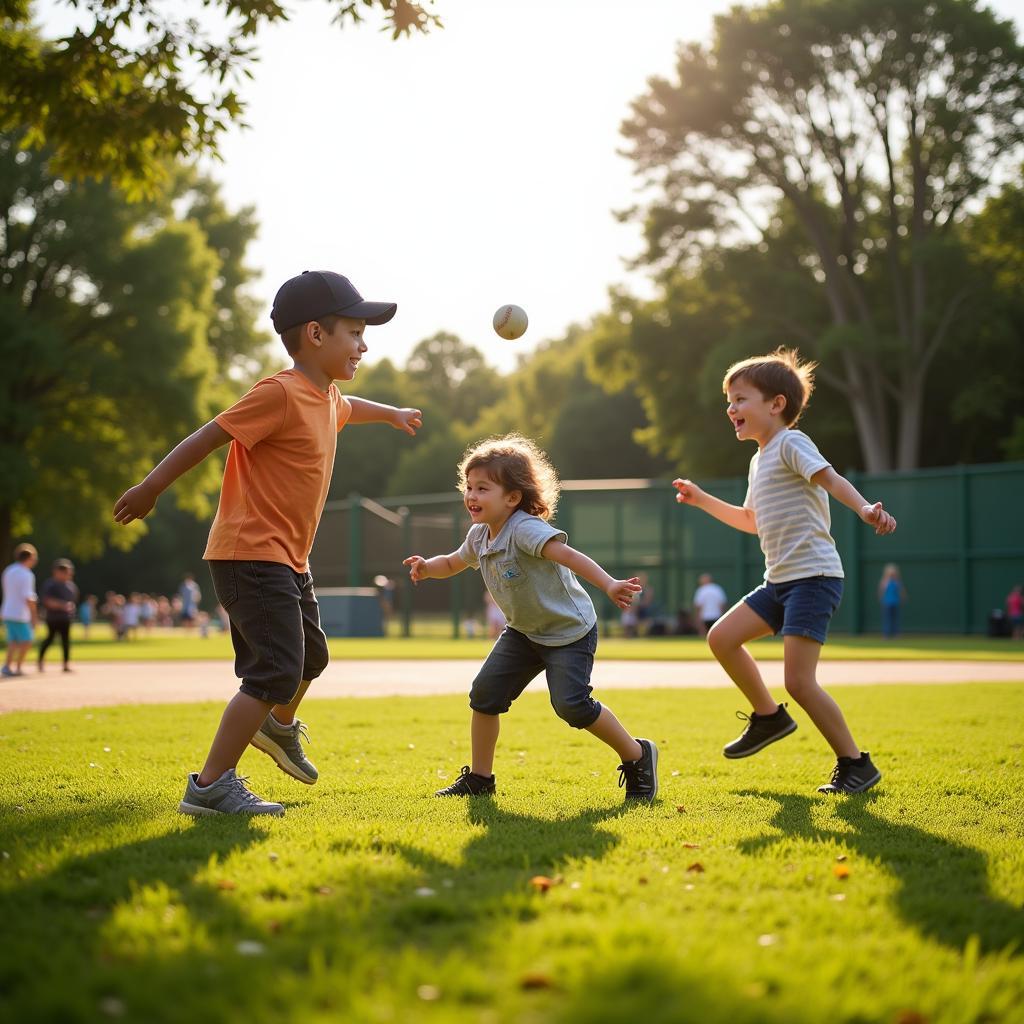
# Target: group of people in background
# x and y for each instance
(58, 603)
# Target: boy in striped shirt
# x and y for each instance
(787, 507)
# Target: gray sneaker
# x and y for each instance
(228, 795)
(283, 744)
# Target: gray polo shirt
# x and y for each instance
(539, 597)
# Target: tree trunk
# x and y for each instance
(908, 448)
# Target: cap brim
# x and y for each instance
(374, 313)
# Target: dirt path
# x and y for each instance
(95, 684)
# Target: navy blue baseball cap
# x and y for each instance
(315, 293)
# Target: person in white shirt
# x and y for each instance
(20, 607)
(709, 602)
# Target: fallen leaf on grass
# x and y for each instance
(910, 1017)
(691, 846)
(841, 857)
(535, 981)
(324, 890)
(680, 808)
(841, 871)
(226, 883)
(542, 883)
(696, 868)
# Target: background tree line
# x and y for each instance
(841, 176)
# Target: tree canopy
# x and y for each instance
(871, 127)
(139, 83)
(122, 327)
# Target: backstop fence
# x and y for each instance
(959, 546)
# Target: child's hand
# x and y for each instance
(876, 516)
(416, 565)
(409, 420)
(688, 493)
(622, 592)
(135, 503)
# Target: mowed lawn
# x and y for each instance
(741, 895)
(171, 645)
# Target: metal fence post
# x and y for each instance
(406, 582)
(964, 561)
(355, 540)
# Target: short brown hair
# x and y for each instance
(292, 337)
(778, 373)
(23, 552)
(515, 463)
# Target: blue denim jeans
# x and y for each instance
(275, 627)
(798, 607)
(515, 659)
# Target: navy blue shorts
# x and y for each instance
(798, 607)
(515, 659)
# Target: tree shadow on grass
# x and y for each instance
(944, 888)
(54, 964)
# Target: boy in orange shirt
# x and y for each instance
(283, 437)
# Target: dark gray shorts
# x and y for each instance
(515, 659)
(275, 627)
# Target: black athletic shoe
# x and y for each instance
(760, 731)
(852, 775)
(469, 784)
(640, 777)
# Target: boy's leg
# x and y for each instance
(241, 718)
(610, 730)
(284, 714)
(483, 733)
(801, 664)
(739, 626)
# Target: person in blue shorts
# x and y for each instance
(789, 483)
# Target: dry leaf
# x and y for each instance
(841, 857)
(696, 868)
(641, 880)
(536, 980)
(542, 883)
(691, 846)
(680, 808)
(324, 890)
(911, 1017)
(226, 883)
(840, 871)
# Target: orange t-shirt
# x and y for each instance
(278, 471)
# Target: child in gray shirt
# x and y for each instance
(510, 491)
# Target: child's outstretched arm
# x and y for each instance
(137, 502)
(739, 518)
(621, 592)
(440, 567)
(842, 490)
(365, 411)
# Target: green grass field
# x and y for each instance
(175, 645)
(373, 902)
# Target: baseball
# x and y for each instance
(510, 322)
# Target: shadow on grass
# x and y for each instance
(53, 960)
(943, 890)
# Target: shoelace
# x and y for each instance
(837, 773)
(635, 773)
(239, 781)
(460, 782)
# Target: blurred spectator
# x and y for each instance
(190, 595)
(386, 588)
(132, 616)
(203, 621)
(20, 607)
(494, 616)
(222, 619)
(709, 602)
(147, 613)
(59, 599)
(87, 614)
(644, 604)
(685, 623)
(1015, 612)
(891, 595)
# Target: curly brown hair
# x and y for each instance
(778, 373)
(515, 463)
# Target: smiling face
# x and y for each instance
(341, 347)
(754, 416)
(487, 502)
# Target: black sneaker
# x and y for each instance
(640, 777)
(469, 784)
(760, 731)
(852, 775)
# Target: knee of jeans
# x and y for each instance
(577, 713)
(488, 703)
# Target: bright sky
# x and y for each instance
(455, 172)
(459, 171)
